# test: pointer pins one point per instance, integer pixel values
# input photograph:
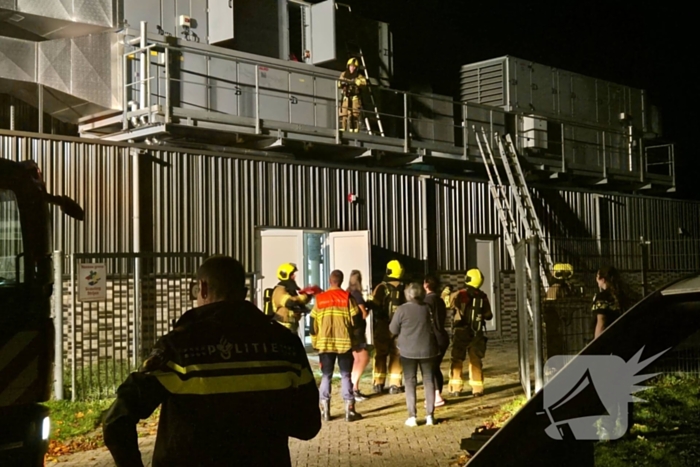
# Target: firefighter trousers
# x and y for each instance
(465, 343)
(350, 113)
(385, 346)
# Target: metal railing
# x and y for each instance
(198, 83)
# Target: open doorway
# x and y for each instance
(298, 32)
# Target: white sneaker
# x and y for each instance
(429, 420)
(411, 422)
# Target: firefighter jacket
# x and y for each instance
(351, 83)
(286, 301)
(334, 318)
(386, 298)
(471, 308)
(234, 386)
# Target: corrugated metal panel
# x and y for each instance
(97, 176)
(213, 203)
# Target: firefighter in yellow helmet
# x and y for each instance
(351, 81)
(471, 311)
(287, 303)
(387, 297)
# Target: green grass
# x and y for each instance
(665, 428)
(70, 420)
(96, 381)
(505, 412)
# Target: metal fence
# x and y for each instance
(104, 337)
(644, 266)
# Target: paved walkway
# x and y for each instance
(381, 439)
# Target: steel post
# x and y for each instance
(136, 219)
(535, 296)
(405, 122)
(58, 324)
(74, 353)
(143, 65)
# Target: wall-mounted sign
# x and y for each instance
(92, 282)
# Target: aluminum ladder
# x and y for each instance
(499, 193)
(363, 66)
(523, 200)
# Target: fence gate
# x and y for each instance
(114, 308)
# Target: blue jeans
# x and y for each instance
(345, 361)
(410, 372)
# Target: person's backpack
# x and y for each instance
(268, 307)
(393, 298)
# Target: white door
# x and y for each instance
(323, 32)
(486, 261)
(278, 246)
(348, 251)
(220, 20)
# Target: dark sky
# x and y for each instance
(643, 44)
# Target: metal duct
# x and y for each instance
(81, 75)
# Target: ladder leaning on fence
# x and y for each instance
(521, 194)
(356, 50)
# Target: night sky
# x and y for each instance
(647, 45)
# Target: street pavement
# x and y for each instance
(381, 438)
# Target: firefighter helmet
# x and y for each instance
(286, 270)
(394, 269)
(474, 278)
(562, 271)
(353, 61)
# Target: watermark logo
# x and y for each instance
(589, 399)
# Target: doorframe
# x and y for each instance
(495, 294)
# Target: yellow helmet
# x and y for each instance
(562, 271)
(353, 61)
(286, 270)
(474, 278)
(394, 269)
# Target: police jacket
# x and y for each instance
(234, 386)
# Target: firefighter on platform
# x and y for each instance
(232, 386)
(287, 302)
(387, 297)
(350, 82)
(471, 311)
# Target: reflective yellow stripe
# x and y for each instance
(456, 381)
(395, 375)
(379, 375)
(476, 383)
(205, 385)
(227, 365)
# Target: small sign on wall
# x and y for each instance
(92, 282)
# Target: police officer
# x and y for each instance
(233, 385)
(387, 297)
(351, 81)
(287, 301)
(471, 309)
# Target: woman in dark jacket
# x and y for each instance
(610, 302)
(418, 346)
